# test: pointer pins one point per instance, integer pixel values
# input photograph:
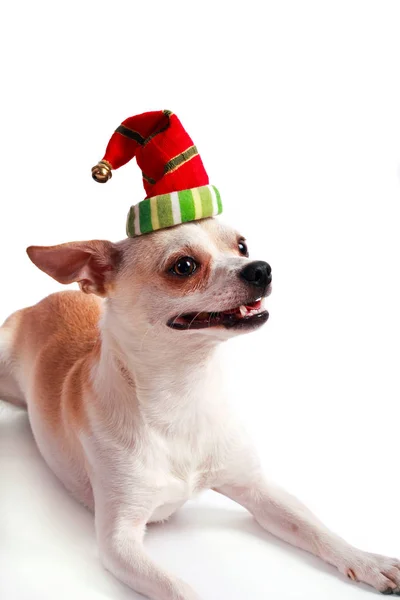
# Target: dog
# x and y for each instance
(122, 386)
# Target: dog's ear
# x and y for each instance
(92, 264)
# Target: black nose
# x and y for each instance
(257, 273)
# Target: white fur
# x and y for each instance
(164, 432)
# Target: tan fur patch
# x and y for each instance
(54, 343)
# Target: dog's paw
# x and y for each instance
(381, 572)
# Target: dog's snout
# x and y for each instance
(257, 273)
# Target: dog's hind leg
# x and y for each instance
(9, 388)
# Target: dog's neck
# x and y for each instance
(171, 382)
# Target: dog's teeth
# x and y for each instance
(243, 310)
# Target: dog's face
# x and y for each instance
(194, 278)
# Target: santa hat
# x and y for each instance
(174, 178)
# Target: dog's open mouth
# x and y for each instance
(245, 316)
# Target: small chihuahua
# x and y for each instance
(122, 388)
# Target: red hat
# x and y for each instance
(170, 163)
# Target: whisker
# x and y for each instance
(209, 319)
(177, 317)
(194, 318)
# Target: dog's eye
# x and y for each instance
(243, 248)
(184, 267)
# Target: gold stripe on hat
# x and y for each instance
(166, 113)
(180, 159)
(148, 179)
(131, 134)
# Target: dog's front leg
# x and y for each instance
(120, 528)
(287, 518)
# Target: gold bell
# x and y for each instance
(102, 172)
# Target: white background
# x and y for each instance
(295, 108)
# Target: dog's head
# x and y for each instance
(194, 278)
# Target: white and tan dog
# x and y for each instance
(124, 397)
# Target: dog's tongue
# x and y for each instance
(255, 306)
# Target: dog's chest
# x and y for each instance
(180, 473)
(173, 493)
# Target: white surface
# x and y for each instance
(295, 109)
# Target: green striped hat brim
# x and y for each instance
(168, 210)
